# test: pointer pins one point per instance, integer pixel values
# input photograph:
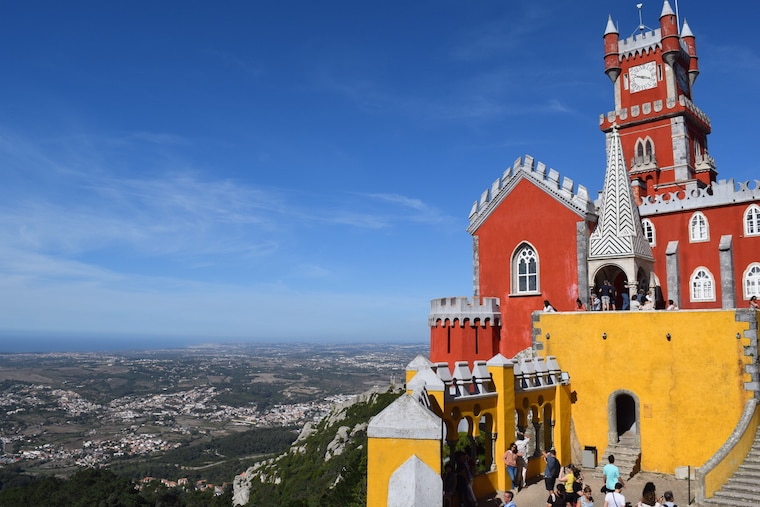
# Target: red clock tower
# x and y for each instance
(663, 134)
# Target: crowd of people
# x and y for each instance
(566, 488)
(605, 299)
(565, 485)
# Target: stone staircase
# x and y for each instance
(743, 488)
(627, 457)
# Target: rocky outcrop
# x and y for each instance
(337, 434)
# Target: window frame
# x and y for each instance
(524, 251)
(751, 218)
(649, 230)
(693, 224)
(697, 292)
(751, 280)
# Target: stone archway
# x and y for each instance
(623, 412)
(617, 278)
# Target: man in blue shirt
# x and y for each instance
(551, 472)
(611, 474)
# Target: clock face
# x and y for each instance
(643, 77)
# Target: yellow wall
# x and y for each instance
(690, 389)
(385, 455)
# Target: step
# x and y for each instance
(729, 498)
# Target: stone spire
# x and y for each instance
(618, 232)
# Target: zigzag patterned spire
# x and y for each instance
(618, 232)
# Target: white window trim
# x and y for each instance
(710, 277)
(755, 209)
(515, 272)
(646, 223)
(745, 280)
(692, 236)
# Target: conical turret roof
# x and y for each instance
(618, 232)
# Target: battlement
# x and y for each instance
(526, 167)
(530, 374)
(719, 193)
(462, 308)
(646, 108)
(639, 44)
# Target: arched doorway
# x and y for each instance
(623, 413)
(617, 278)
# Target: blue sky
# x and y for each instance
(242, 170)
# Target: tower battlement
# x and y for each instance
(640, 44)
(463, 308)
(722, 192)
(526, 167)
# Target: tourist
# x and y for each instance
(614, 498)
(568, 477)
(576, 489)
(649, 496)
(509, 499)
(551, 471)
(607, 292)
(635, 305)
(579, 306)
(611, 474)
(648, 304)
(548, 306)
(522, 443)
(449, 484)
(668, 497)
(596, 304)
(557, 497)
(586, 499)
(510, 460)
(464, 479)
(626, 305)
(671, 305)
(753, 304)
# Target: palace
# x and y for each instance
(663, 228)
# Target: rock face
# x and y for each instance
(337, 437)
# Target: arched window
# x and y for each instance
(649, 233)
(702, 285)
(525, 270)
(699, 229)
(752, 221)
(697, 152)
(752, 280)
(644, 151)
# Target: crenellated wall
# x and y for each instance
(720, 193)
(463, 329)
(464, 308)
(640, 44)
(563, 189)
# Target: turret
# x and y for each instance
(691, 48)
(463, 329)
(669, 32)
(611, 51)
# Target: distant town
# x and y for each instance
(63, 411)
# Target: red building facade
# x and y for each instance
(686, 236)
